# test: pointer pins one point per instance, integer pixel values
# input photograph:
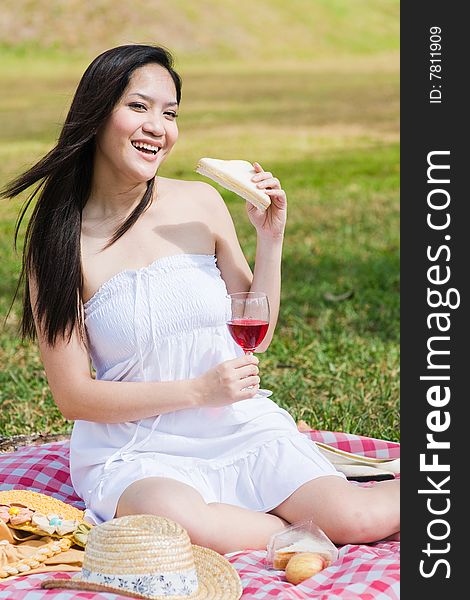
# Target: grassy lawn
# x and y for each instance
(329, 131)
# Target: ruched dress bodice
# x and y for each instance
(163, 322)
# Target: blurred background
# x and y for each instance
(308, 88)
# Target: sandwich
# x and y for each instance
(235, 175)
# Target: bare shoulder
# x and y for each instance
(202, 202)
(193, 196)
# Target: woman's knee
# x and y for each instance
(347, 513)
(161, 496)
(353, 524)
(173, 500)
(360, 518)
(373, 513)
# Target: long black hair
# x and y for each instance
(52, 243)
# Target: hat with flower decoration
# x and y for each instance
(40, 514)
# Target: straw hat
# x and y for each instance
(146, 556)
(41, 503)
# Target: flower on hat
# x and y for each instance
(52, 523)
(15, 515)
(80, 535)
(4, 514)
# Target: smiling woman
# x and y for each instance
(130, 271)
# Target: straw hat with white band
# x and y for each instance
(146, 556)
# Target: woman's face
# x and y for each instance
(141, 130)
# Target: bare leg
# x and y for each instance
(347, 513)
(222, 527)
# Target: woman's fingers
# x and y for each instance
(247, 371)
(250, 381)
(262, 175)
(243, 361)
(265, 180)
(247, 374)
(272, 183)
(248, 392)
(279, 194)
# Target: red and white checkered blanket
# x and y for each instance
(365, 572)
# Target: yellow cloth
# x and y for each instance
(13, 552)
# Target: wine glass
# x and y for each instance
(249, 322)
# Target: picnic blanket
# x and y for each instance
(365, 572)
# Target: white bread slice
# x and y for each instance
(235, 175)
(304, 545)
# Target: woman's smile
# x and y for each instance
(148, 150)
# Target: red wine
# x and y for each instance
(248, 333)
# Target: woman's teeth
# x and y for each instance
(146, 148)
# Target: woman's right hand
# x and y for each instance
(228, 382)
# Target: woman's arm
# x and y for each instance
(270, 225)
(267, 278)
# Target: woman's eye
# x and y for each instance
(138, 106)
(171, 114)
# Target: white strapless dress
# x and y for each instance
(167, 322)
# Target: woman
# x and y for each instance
(130, 270)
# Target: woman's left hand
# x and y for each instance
(272, 221)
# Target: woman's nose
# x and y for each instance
(154, 126)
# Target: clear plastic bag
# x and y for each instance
(300, 537)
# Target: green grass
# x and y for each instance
(329, 131)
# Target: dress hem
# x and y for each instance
(169, 471)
